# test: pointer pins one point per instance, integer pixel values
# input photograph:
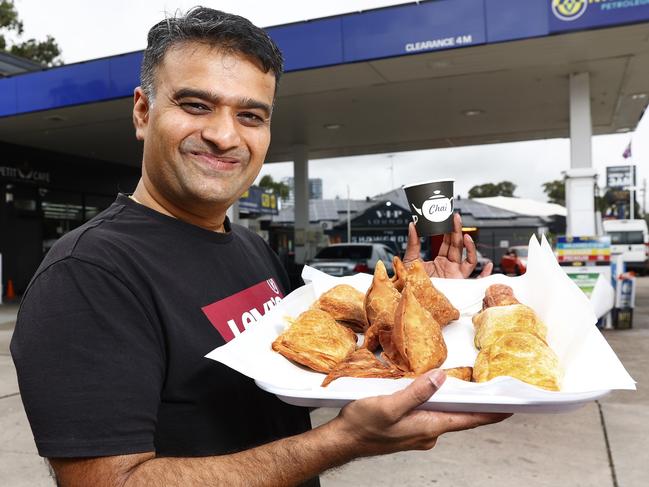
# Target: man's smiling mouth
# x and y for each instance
(214, 162)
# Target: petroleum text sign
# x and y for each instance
(584, 14)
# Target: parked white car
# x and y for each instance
(630, 239)
(346, 259)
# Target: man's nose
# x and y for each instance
(222, 130)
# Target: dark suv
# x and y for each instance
(347, 259)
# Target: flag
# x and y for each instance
(627, 151)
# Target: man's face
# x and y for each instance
(207, 130)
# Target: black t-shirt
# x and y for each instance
(111, 336)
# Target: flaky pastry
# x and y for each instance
(496, 321)
(390, 352)
(381, 302)
(417, 335)
(362, 363)
(430, 298)
(400, 273)
(346, 304)
(520, 355)
(316, 340)
(462, 373)
(498, 295)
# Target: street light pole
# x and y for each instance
(349, 220)
(632, 193)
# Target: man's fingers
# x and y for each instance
(471, 255)
(465, 421)
(487, 270)
(418, 392)
(455, 248)
(413, 247)
(446, 243)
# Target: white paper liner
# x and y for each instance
(591, 367)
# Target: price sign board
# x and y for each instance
(584, 250)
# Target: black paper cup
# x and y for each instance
(431, 206)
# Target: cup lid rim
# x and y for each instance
(428, 182)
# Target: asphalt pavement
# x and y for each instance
(603, 444)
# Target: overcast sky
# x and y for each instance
(88, 29)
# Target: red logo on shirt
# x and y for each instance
(232, 315)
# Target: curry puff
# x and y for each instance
(417, 335)
(347, 306)
(494, 322)
(362, 363)
(430, 298)
(520, 355)
(316, 340)
(512, 342)
(381, 303)
(498, 295)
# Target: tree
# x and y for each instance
(45, 52)
(280, 188)
(503, 188)
(556, 191)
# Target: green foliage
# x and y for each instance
(46, 52)
(556, 191)
(280, 188)
(503, 188)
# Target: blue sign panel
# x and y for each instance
(508, 20)
(567, 15)
(392, 31)
(125, 74)
(68, 85)
(410, 29)
(8, 103)
(310, 44)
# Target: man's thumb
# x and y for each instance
(417, 393)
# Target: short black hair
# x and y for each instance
(214, 28)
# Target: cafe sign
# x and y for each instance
(24, 174)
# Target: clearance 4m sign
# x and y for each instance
(566, 15)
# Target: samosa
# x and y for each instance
(429, 297)
(417, 335)
(381, 302)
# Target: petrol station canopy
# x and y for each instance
(415, 76)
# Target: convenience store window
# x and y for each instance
(63, 211)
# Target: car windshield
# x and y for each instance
(626, 238)
(520, 251)
(351, 252)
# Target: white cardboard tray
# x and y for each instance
(591, 367)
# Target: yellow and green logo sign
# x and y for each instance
(569, 9)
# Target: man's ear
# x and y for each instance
(140, 113)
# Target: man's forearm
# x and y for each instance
(288, 461)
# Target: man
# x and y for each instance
(112, 331)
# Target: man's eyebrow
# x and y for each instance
(215, 98)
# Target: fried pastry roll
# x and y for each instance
(430, 298)
(520, 355)
(316, 340)
(498, 295)
(362, 363)
(346, 304)
(417, 335)
(496, 321)
(381, 302)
